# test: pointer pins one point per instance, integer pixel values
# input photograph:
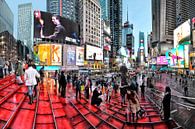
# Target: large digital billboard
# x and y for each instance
(94, 53)
(161, 60)
(182, 34)
(175, 57)
(192, 61)
(79, 56)
(54, 27)
(186, 56)
(48, 54)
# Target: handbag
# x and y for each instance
(141, 112)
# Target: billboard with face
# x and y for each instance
(54, 27)
(182, 33)
(175, 57)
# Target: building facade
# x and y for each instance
(104, 9)
(64, 8)
(6, 18)
(90, 22)
(163, 24)
(25, 24)
(8, 46)
(116, 25)
(127, 37)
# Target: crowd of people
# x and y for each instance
(96, 90)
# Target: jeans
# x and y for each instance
(30, 90)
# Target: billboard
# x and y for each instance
(186, 56)
(192, 61)
(94, 53)
(54, 27)
(69, 55)
(182, 34)
(56, 54)
(44, 53)
(161, 60)
(48, 54)
(175, 57)
(79, 56)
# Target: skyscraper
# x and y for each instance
(141, 49)
(184, 11)
(163, 23)
(6, 18)
(90, 22)
(65, 8)
(104, 9)
(116, 25)
(127, 36)
(25, 24)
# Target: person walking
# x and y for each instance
(87, 85)
(30, 80)
(166, 103)
(63, 84)
(19, 72)
(78, 83)
(133, 102)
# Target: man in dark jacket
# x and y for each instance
(63, 83)
(166, 103)
(78, 83)
(95, 100)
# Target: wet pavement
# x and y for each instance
(182, 107)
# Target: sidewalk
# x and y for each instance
(178, 89)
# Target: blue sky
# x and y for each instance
(139, 14)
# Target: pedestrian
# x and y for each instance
(30, 81)
(87, 86)
(78, 83)
(41, 72)
(166, 103)
(186, 90)
(133, 103)
(109, 92)
(63, 84)
(142, 89)
(35, 86)
(6, 65)
(19, 72)
(56, 77)
(96, 100)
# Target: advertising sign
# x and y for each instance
(79, 56)
(192, 61)
(162, 60)
(44, 53)
(175, 57)
(48, 54)
(56, 54)
(182, 34)
(54, 27)
(186, 56)
(69, 55)
(94, 53)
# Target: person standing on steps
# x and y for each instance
(166, 103)
(30, 80)
(63, 84)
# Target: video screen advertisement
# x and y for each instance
(48, 54)
(69, 55)
(192, 61)
(182, 34)
(79, 56)
(49, 26)
(94, 53)
(175, 57)
(162, 60)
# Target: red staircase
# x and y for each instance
(53, 112)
